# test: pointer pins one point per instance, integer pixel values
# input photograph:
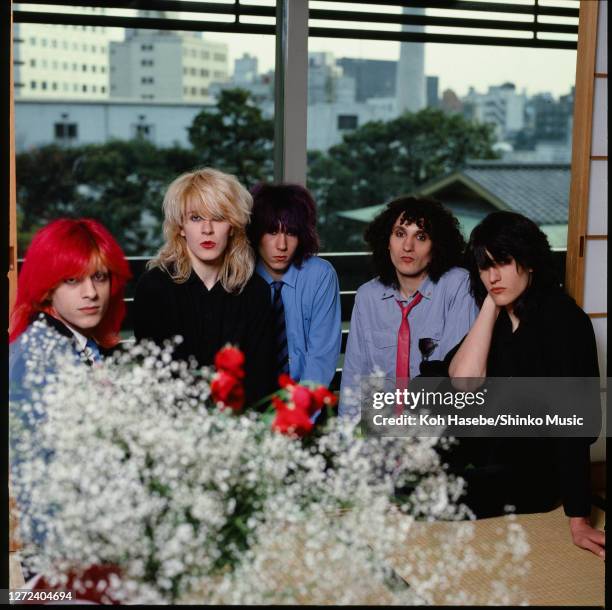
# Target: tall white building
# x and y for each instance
(410, 90)
(501, 105)
(166, 66)
(60, 61)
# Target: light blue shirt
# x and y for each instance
(445, 314)
(311, 298)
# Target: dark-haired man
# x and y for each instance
(304, 287)
(418, 308)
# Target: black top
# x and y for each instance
(207, 320)
(557, 340)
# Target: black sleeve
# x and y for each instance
(153, 307)
(573, 454)
(258, 344)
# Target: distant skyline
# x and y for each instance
(457, 66)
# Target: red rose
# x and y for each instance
(225, 388)
(301, 397)
(290, 420)
(322, 397)
(231, 360)
(285, 381)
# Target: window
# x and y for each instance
(146, 62)
(65, 131)
(33, 84)
(103, 89)
(84, 67)
(43, 85)
(32, 63)
(54, 86)
(142, 131)
(347, 121)
(33, 41)
(205, 73)
(147, 80)
(84, 88)
(219, 57)
(146, 47)
(93, 68)
(54, 43)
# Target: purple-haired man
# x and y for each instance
(304, 287)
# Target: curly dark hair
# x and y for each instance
(431, 216)
(290, 207)
(510, 236)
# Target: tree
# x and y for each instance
(235, 138)
(383, 160)
(120, 183)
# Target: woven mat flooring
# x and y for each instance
(556, 572)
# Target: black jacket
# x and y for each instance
(207, 320)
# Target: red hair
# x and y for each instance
(63, 249)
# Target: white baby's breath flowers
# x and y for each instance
(128, 464)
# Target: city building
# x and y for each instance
(373, 77)
(59, 61)
(410, 80)
(166, 66)
(72, 123)
(501, 106)
(433, 98)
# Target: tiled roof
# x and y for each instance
(539, 191)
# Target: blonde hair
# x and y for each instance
(214, 195)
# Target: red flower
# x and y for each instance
(285, 381)
(322, 397)
(88, 586)
(230, 360)
(301, 397)
(290, 420)
(227, 389)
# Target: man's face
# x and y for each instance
(206, 238)
(277, 250)
(410, 249)
(505, 282)
(82, 302)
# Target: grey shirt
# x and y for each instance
(445, 314)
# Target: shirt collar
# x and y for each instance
(67, 331)
(426, 289)
(289, 278)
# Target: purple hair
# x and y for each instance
(290, 207)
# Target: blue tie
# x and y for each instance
(280, 330)
(92, 351)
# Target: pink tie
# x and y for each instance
(402, 362)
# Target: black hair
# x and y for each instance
(510, 236)
(289, 207)
(429, 215)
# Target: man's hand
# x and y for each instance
(587, 537)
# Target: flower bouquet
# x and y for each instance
(155, 469)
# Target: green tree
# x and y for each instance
(120, 183)
(234, 137)
(382, 160)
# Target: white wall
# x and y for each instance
(98, 122)
(596, 268)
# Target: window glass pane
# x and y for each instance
(122, 123)
(466, 124)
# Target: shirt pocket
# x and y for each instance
(384, 340)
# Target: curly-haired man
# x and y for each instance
(419, 307)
